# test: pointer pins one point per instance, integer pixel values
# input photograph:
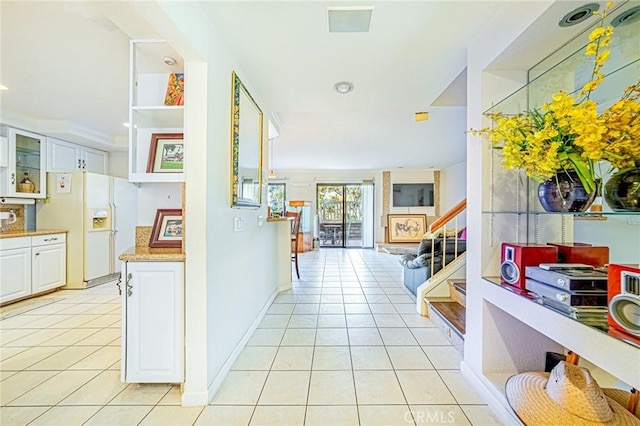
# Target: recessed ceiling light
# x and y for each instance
(625, 18)
(169, 60)
(343, 87)
(578, 15)
(3, 87)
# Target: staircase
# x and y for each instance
(448, 313)
(442, 297)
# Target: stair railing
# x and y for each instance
(441, 225)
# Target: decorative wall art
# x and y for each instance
(166, 153)
(406, 228)
(175, 90)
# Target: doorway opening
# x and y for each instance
(345, 215)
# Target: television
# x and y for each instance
(413, 194)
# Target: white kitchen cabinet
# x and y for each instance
(67, 157)
(32, 265)
(153, 322)
(48, 262)
(15, 264)
(26, 160)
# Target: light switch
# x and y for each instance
(238, 224)
(260, 220)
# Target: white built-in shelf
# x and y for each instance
(158, 116)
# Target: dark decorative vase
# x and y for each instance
(564, 193)
(622, 191)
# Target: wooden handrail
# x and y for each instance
(453, 212)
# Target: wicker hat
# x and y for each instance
(567, 396)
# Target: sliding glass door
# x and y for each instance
(345, 215)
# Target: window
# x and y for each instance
(277, 193)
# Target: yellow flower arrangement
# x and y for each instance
(569, 133)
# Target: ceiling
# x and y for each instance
(66, 66)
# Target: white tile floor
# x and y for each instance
(343, 347)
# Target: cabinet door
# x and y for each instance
(154, 322)
(94, 160)
(62, 156)
(49, 267)
(27, 159)
(15, 265)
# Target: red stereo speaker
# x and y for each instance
(582, 253)
(624, 299)
(515, 257)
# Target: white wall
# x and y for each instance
(230, 277)
(453, 185)
(119, 164)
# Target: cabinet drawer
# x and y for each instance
(43, 240)
(14, 243)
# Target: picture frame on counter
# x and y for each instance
(167, 229)
(166, 153)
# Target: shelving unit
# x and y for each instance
(507, 333)
(26, 155)
(147, 112)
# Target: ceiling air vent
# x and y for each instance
(350, 19)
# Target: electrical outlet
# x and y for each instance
(260, 220)
(238, 224)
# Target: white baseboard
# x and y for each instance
(195, 399)
(505, 415)
(222, 374)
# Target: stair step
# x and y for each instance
(460, 285)
(451, 312)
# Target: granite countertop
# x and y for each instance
(16, 234)
(147, 254)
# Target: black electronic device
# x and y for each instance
(583, 280)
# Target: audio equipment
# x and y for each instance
(624, 298)
(570, 279)
(582, 253)
(515, 257)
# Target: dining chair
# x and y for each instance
(295, 231)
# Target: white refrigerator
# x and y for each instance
(100, 214)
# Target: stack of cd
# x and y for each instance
(575, 290)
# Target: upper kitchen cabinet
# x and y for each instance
(23, 158)
(69, 157)
(156, 113)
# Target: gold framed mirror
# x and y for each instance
(246, 147)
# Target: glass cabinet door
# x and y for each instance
(27, 173)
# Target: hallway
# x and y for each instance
(343, 347)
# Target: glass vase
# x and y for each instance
(622, 191)
(564, 193)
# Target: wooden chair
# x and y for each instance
(295, 230)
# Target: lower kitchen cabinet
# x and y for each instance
(32, 265)
(15, 264)
(153, 322)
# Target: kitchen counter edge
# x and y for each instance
(147, 254)
(17, 234)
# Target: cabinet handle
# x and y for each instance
(79, 163)
(38, 254)
(84, 164)
(13, 178)
(119, 288)
(129, 286)
(51, 239)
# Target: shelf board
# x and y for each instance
(158, 116)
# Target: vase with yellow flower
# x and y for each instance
(562, 143)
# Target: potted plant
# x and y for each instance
(560, 143)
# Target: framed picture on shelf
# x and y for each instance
(175, 90)
(166, 153)
(406, 228)
(167, 229)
